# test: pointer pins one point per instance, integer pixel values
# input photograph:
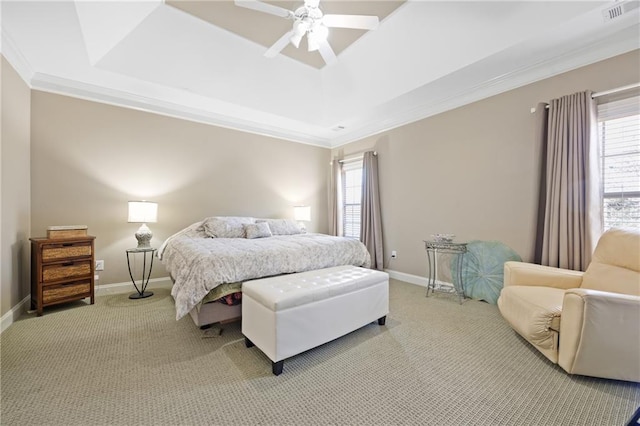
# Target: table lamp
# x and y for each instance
(143, 212)
(302, 214)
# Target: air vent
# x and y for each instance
(338, 128)
(619, 10)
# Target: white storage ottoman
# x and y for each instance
(289, 314)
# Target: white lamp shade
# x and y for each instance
(302, 213)
(296, 39)
(143, 212)
(312, 44)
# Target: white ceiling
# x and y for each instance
(426, 57)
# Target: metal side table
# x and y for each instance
(433, 248)
(141, 292)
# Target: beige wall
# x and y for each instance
(89, 159)
(15, 187)
(473, 171)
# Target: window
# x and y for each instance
(352, 197)
(619, 133)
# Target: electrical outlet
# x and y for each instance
(394, 254)
(99, 265)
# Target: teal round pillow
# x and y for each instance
(483, 269)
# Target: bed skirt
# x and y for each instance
(210, 313)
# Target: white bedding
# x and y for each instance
(198, 263)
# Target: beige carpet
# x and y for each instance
(125, 361)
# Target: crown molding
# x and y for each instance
(13, 55)
(401, 111)
(102, 94)
(389, 117)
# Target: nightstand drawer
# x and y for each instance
(66, 270)
(65, 291)
(65, 250)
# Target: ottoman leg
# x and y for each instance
(276, 367)
(382, 320)
(248, 343)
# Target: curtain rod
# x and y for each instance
(605, 92)
(616, 90)
(355, 158)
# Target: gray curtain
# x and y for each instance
(569, 220)
(335, 198)
(542, 124)
(371, 222)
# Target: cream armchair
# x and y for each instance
(588, 323)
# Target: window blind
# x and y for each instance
(619, 133)
(352, 198)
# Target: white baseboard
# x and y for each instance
(415, 279)
(8, 318)
(407, 278)
(127, 287)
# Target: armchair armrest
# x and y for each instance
(600, 334)
(521, 273)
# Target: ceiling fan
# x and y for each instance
(309, 20)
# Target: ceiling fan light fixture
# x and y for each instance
(308, 19)
(295, 39)
(316, 36)
(299, 30)
(312, 44)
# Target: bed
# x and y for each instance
(209, 260)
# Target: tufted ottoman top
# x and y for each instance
(288, 291)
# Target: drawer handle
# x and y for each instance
(67, 264)
(67, 244)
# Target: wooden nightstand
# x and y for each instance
(62, 270)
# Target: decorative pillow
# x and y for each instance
(257, 230)
(226, 226)
(482, 269)
(282, 226)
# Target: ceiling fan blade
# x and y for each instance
(279, 45)
(326, 52)
(362, 22)
(264, 7)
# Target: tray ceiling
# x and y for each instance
(265, 29)
(203, 61)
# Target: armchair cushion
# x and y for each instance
(534, 312)
(529, 274)
(615, 265)
(619, 247)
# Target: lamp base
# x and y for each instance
(144, 235)
(142, 295)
